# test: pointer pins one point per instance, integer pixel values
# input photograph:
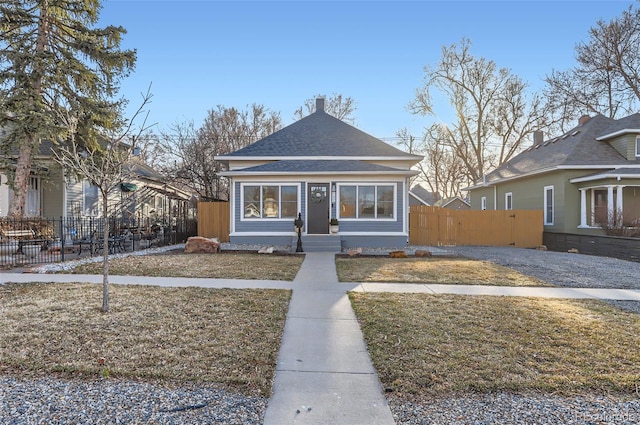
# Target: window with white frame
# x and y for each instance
(32, 203)
(90, 199)
(548, 205)
(367, 201)
(483, 203)
(269, 201)
(637, 146)
(508, 201)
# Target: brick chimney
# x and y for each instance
(319, 104)
(538, 137)
(583, 119)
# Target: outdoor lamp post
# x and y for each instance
(299, 223)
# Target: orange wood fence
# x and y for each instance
(213, 220)
(436, 226)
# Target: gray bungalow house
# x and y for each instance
(584, 180)
(321, 168)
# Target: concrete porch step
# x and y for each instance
(318, 243)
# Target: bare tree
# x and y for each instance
(105, 165)
(606, 79)
(336, 105)
(441, 169)
(493, 113)
(189, 151)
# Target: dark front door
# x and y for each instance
(318, 208)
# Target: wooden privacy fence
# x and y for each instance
(436, 226)
(213, 220)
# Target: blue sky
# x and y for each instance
(200, 54)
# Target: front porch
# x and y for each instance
(611, 202)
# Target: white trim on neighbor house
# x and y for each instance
(550, 169)
(549, 207)
(611, 175)
(483, 203)
(619, 189)
(618, 133)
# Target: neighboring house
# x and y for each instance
(454, 203)
(583, 180)
(422, 196)
(321, 168)
(52, 195)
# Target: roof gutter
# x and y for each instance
(318, 173)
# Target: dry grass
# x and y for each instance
(426, 345)
(228, 337)
(430, 270)
(221, 266)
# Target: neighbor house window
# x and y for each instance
(90, 199)
(508, 201)
(638, 146)
(270, 201)
(367, 201)
(32, 203)
(483, 203)
(548, 205)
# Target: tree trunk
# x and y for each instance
(21, 180)
(105, 254)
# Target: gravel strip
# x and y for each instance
(505, 408)
(560, 268)
(55, 401)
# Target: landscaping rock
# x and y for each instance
(266, 250)
(199, 244)
(398, 254)
(422, 253)
(354, 252)
(573, 251)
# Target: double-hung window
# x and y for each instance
(90, 199)
(269, 201)
(508, 201)
(367, 201)
(637, 146)
(548, 205)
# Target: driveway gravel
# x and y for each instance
(560, 268)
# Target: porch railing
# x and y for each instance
(30, 241)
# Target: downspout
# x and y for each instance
(495, 197)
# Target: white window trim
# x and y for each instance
(375, 184)
(508, 199)
(637, 146)
(261, 184)
(483, 203)
(553, 205)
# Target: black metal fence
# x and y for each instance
(31, 241)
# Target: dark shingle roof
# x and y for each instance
(579, 146)
(319, 135)
(321, 166)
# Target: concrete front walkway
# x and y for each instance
(324, 373)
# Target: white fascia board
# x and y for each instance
(319, 173)
(619, 133)
(408, 157)
(611, 175)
